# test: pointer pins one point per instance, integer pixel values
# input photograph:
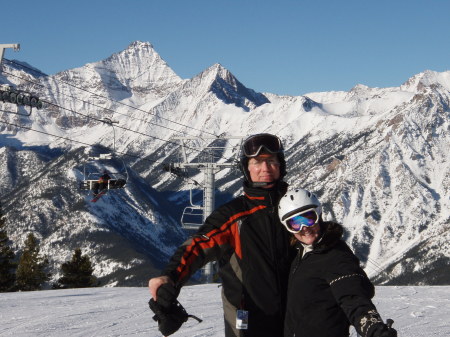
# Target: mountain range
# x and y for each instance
(378, 158)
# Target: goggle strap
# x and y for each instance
(298, 210)
(260, 141)
(257, 153)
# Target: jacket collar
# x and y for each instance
(331, 234)
(266, 196)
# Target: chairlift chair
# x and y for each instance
(191, 213)
(95, 166)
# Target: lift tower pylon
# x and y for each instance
(209, 155)
(15, 46)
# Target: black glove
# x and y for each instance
(169, 319)
(167, 294)
(384, 330)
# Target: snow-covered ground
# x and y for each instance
(417, 311)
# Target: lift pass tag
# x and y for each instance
(242, 319)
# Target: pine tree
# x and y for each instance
(30, 271)
(77, 273)
(7, 264)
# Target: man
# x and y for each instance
(250, 244)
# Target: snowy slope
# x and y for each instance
(416, 311)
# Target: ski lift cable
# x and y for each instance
(375, 266)
(100, 96)
(16, 113)
(112, 100)
(93, 104)
(24, 79)
(101, 120)
(91, 145)
(124, 128)
(127, 105)
(104, 121)
(98, 119)
(76, 141)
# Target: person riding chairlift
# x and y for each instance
(102, 183)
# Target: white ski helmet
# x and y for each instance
(295, 202)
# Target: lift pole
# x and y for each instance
(15, 46)
(206, 158)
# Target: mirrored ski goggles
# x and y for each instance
(307, 218)
(253, 145)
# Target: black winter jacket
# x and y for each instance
(328, 291)
(252, 248)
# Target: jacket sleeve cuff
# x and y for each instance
(368, 323)
(170, 274)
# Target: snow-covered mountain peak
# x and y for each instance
(139, 44)
(136, 71)
(359, 87)
(426, 79)
(141, 65)
(221, 82)
(219, 71)
(362, 92)
(214, 72)
(219, 68)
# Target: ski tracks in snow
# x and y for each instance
(421, 311)
(417, 311)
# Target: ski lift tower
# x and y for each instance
(207, 154)
(15, 46)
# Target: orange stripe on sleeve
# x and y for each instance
(227, 233)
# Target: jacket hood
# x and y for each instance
(331, 234)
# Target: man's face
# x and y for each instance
(264, 168)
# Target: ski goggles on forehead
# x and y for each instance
(295, 223)
(253, 145)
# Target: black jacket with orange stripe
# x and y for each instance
(254, 256)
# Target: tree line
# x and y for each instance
(29, 272)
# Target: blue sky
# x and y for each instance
(289, 47)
